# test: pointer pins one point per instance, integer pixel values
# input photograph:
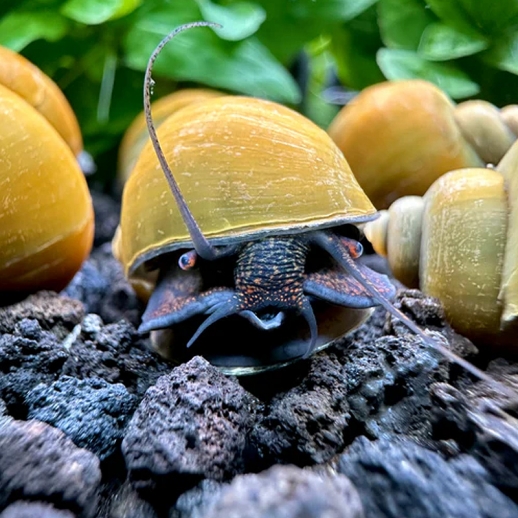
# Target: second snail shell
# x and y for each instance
(459, 243)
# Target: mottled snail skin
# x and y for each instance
(46, 215)
(460, 241)
(36, 88)
(137, 135)
(250, 171)
(400, 136)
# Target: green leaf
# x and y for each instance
(491, 16)
(402, 22)
(441, 42)
(405, 64)
(238, 20)
(18, 29)
(504, 54)
(354, 46)
(94, 12)
(289, 24)
(200, 55)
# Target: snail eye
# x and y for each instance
(187, 261)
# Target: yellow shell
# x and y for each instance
(137, 135)
(247, 168)
(399, 137)
(46, 215)
(29, 82)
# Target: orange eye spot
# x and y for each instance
(354, 248)
(187, 261)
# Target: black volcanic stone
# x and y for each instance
(54, 313)
(91, 412)
(38, 462)
(306, 424)
(28, 357)
(107, 215)
(103, 289)
(193, 424)
(286, 492)
(482, 422)
(22, 509)
(115, 353)
(398, 478)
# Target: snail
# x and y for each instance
(25, 79)
(459, 243)
(46, 214)
(400, 136)
(250, 229)
(137, 135)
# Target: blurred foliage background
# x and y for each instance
(309, 54)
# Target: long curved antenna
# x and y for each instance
(203, 248)
(334, 247)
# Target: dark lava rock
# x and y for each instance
(107, 212)
(127, 503)
(480, 423)
(91, 412)
(53, 312)
(195, 502)
(398, 478)
(38, 462)
(306, 424)
(28, 357)
(287, 492)
(192, 424)
(101, 286)
(115, 353)
(22, 509)
(389, 377)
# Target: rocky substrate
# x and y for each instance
(93, 424)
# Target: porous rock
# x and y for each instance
(306, 424)
(23, 509)
(287, 492)
(482, 422)
(102, 287)
(107, 215)
(28, 356)
(92, 412)
(388, 377)
(400, 478)
(54, 313)
(38, 462)
(192, 424)
(127, 503)
(115, 353)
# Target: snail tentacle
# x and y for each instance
(202, 246)
(334, 246)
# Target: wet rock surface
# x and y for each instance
(39, 462)
(279, 492)
(92, 412)
(376, 425)
(396, 477)
(193, 423)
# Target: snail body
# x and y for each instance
(400, 136)
(458, 243)
(46, 215)
(261, 180)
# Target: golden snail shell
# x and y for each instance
(400, 136)
(467, 251)
(36, 88)
(46, 215)
(136, 135)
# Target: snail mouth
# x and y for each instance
(266, 320)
